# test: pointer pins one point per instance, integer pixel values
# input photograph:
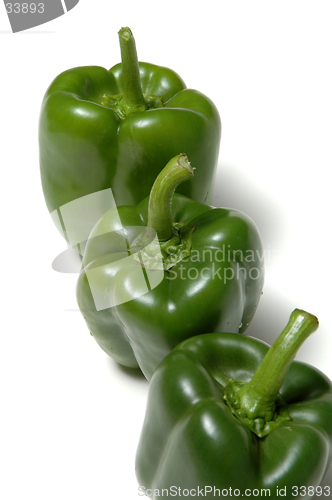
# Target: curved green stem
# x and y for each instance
(133, 100)
(271, 373)
(173, 238)
(177, 170)
(258, 403)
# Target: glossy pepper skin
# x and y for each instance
(192, 438)
(212, 273)
(118, 128)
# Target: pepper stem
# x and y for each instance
(271, 373)
(177, 170)
(133, 99)
(173, 239)
(258, 403)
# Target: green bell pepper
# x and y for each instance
(118, 128)
(229, 416)
(167, 269)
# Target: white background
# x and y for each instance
(70, 417)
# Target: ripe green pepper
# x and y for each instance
(118, 128)
(168, 269)
(226, 412)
